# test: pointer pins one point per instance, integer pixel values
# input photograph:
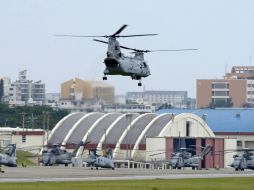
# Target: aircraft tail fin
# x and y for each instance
(78, 146)
(11, 151)
(205, 151)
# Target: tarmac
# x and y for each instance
(60, 173)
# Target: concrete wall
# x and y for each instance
(154, 146)
(229, 144)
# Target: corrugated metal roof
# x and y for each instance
(78, 134)
(156, 127)
(64, 128)
(222, 120)
(137, 128)
(116, 132)
(97, 133)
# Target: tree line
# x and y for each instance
(34, 116)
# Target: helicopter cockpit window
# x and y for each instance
(144, 63)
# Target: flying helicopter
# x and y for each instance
(118, 64)
(243, 160)
(56, 155)
(95, 160)
(8, 158)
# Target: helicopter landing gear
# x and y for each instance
(140, 83)
(104, 78)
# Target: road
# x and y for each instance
(59, 173)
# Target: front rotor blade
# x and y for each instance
(120, 30)
(127, 48)
(79, 36)
(100, 41)
(135, 35)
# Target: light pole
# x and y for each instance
(129, 118)
(23, 120)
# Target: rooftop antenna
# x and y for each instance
(250, 59)
(226, 67)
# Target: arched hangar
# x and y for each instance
(134, 136)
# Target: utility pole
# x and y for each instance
(43, 125)
(128, 151)
(48, 116)
(23, 120)
(32, 120)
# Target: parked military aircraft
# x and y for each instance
(95, 160)
(183, 158)
(119, 64)
(8, 158)
(56, 155)
(243, 160)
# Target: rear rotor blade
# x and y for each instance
(171, 50)
(135, 35)
(120, 30)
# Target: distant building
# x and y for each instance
(5, 83)
(26, 92)
(129, 108)
(52, 100)
(173, 98)
(84, 94)
(120, 99)
(235, 90)
(23, 138)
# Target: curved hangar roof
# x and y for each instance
(122, 130)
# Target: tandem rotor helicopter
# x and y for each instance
(119, 64)
(8, 158)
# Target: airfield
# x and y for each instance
(59, 173)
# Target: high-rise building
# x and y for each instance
(26, 92)
(235, 90)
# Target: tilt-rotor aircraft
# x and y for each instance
(119, 64)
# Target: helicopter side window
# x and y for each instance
(144, 63)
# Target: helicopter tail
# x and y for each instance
(11, 151)
(78, 146)
(205, 151)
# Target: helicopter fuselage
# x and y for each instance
(242, 162)
(8, 160)
(126, 66)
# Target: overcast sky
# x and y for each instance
(222, 30)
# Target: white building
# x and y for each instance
(174, 98)
(25, 139)
(26, 92)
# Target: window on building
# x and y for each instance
(239, 143)
(23, 138)
(187, 128)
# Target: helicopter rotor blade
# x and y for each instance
(135, 35)
(149, 51)
(79, 36)
(120, 30)
(100, 41)
(171, 50)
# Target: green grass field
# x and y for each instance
(25, 157)
(177, 184)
